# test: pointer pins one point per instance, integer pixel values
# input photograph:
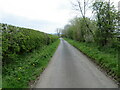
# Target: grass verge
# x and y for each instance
(105, 58)
(27, 67)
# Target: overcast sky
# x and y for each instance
(43, 15)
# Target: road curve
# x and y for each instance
(69, 68)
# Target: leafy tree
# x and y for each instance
(106, 22)
(77, 30)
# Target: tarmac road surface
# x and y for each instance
(69, 68)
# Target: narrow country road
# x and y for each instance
(69, 68)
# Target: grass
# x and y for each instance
(27, 67)
(107, 57)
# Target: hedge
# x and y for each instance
(18, 40)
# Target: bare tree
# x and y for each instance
(58, 30)
(78, 7)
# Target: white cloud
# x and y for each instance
(37, 9)
(54, 11)
(57, 11)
